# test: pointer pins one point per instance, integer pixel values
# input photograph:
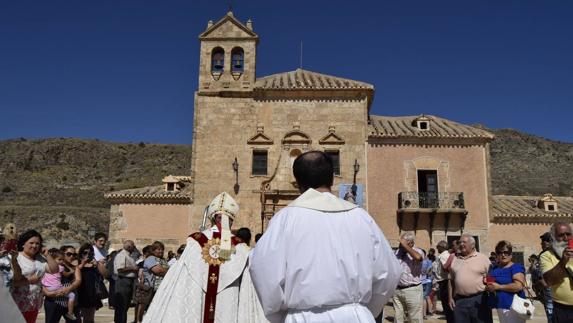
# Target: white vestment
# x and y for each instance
(181, 295)
(9, 312)
(323, 259)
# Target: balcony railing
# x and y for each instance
(428, 200)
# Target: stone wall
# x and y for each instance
(523, 236)
(145, 223)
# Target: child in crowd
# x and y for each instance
(53, 282)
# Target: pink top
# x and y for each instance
(411, 269)
(53, 281)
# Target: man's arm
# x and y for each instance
(411, 251)
(120, 264)
(451, 301)
(51, 266)
(449, 262)
(555, 275)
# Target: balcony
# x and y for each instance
(436, 207)
(442, 202)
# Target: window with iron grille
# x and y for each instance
(260, 161)
(335, 156)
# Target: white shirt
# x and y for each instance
(172, 261)
(439, 271)
(29, 297)
(99, 254)
(123, 260)
(339, 262)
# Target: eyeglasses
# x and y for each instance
(504, 253)
(70, 254)
(86, 252)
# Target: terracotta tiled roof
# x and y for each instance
(405, 127)
(525, 209)
(306, 80)
(157, 193)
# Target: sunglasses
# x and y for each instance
(70, 254)
(86, 252)
(504, 253)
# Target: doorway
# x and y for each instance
(428, 188)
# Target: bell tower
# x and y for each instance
(228, 56)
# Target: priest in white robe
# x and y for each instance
(210, 283)
(9, 311)
(322, 259)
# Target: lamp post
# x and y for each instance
(236, 170)
(356, 169)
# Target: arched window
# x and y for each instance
(217, 60)
(237, 60)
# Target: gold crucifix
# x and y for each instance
(213, 278)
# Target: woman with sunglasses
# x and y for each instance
(91, 271)
(509, 280)
(56, 303)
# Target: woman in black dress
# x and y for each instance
(88, 301)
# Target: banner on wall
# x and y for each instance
(345, 193)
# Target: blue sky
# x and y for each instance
(126, 70)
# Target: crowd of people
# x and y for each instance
(470, 285)
(73, 283)
(321, 259)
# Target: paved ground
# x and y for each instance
(105, 315)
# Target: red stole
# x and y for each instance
(212, 280)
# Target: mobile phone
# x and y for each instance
(570, 243)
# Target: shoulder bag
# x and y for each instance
(523, 307)
(143, 289)
(100, 289)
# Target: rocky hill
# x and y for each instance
(57, 185)
(523, 164)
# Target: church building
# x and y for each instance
(422, 173)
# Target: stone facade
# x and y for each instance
(225, 126)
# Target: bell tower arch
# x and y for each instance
(228, 54)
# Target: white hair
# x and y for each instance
(442, 244)
(554, 227)
(470, 238)
(409, 236)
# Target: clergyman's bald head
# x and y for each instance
(313, 169)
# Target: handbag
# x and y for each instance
(143, 292)
(100, 289)
(523, 307)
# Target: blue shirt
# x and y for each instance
(426, 271)
(504, 276)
